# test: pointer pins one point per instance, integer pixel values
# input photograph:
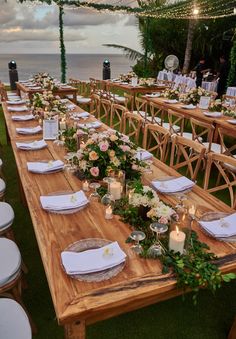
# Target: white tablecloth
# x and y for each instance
(231, 91)
(165, 75)
(210, 86)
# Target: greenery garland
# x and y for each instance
(195, 270)
(62, 45)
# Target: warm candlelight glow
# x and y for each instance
(177, 230)
(108, 212)
(195, 11)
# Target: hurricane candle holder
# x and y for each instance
(180, 233)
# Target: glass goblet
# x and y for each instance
(94, 196)
(157, 249)
(108, 198)
(137, 236)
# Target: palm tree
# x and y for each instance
(189, 45)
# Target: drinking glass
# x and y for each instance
(108, 198)
(94, 196)
(137, 236)
(157, 249)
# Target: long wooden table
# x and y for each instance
(197, 113)
(62, 92)
(141, 282)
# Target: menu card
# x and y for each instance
(50, 129)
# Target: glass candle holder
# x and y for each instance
(82, 138)
(117, 185)
(180, 233)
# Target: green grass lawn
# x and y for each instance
(211, 318)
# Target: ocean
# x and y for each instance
(79, 66)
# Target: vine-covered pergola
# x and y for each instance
(182, 9)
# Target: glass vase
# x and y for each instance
(180, 233)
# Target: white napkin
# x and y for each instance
(213, 114)
(35, 87)
(191, 106)
(15, 102)
(35, 145)
(94, 260)
(171, 101)
(71, 106)
(22, 117)
(95, 124)
(64, 202)
(44, 167)
(13, 96)
(153, 95)
(29, 130)
(82, 114)
(143, 155)
(17, 109)
(224, 227)
(173, 185)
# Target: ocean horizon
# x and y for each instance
(79, 66)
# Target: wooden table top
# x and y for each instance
(136, 89)
(21, 87)
(141, 282)
(196, 113)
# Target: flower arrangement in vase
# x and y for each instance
(46, 105)
(193, 95)
(172, 94)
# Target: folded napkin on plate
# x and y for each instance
(44, 167)
(189, 106)
(213, 114)
(22, 117)
(171, 101)
(35, 145)
(224, 227)
(173, 185)
(35, 87)
(93, 260)
(95, 124)
(29, 130)
(71, 106)
(64, 202)
(15, 102)
(17, 109)
(143, 155)
(153, 95)
(82, 114)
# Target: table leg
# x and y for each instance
(75, 330)
(232, 333)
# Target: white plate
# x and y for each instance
(233, 121)
(188, 107)
(67, 211)
(174, 101)
(213, 114)
(153, 95)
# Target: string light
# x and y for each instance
(195, 11)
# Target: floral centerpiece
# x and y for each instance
(220, 106)
(172, 94)
(146, 81)
(127, 77)
(45, 81)
(193, 96)
(46, 105)
(108, 151)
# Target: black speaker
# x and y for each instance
(13, 74)
(106, 73)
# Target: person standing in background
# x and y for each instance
(222, 75)
(200, 70)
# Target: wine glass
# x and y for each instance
(108, 198)
(157, 249)
(94, 196)
(70, 166)
(137, 236)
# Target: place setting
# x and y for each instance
(24, 117)
(45, 166)
(31, 146)
(29, 130)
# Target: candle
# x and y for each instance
(177, 240)
(115, 190)
(82, 145)
(85, 186)
(108, 213)
(62, 124)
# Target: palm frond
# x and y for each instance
(132, 54)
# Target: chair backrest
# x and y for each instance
(182, 87)
(186, 154)
(105, 111)
(132, 125)
(175, 119)
(95, 105)
(141, 107)
(226, 168)
(128, 100)
(228, 143)
(3, 92)
(202, 132)
(116, 119)
(157, 112)
(156, 140)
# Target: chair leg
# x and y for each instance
(232, 333)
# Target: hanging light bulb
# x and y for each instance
(195, 11)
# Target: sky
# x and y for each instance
(27, 28)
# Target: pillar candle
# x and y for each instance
(115, 190)
(177, 240)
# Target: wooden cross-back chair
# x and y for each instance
(187, 154)
(156, 140)
(132, 125)
(203, 133)
(141, 105)
(158, 113)
(104, 113)
(182, 87)
(175, 122)
(95, 105)
(3, 92)
(226, 178)
(74, 82)
(117, 114)
(129, 100)
(228, 143)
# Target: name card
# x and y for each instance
(50, 129)
(204, 102)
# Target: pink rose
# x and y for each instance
(163, 220)
(103, 147)
(125, 148)
(94, 171)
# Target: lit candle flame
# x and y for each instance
(177, 230)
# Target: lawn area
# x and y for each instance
(211, 318)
